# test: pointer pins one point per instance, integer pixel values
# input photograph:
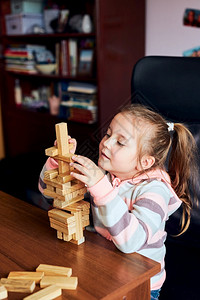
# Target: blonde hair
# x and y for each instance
(179, 148)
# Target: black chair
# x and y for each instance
(171, 86)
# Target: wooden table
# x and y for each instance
(26, 240)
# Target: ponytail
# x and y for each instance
(182, 169)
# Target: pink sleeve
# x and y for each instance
(103, 191)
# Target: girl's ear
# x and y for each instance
(147, 162)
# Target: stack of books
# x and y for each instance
(81, 102)
(22, 58)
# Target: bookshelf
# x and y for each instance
(118, 42)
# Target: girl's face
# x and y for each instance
(118, 152)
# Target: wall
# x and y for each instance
(165, 34)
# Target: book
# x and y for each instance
(88, 116)
(82, 87)
(65, 61)
(73, 56)
(79, 104)
(57, 58)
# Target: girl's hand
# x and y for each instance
(90, 173)
(70, 141)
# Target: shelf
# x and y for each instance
(53, 76)
(117, 26)
(49, 35)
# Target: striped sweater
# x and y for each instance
(132, 213)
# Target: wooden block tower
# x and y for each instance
(70, 213)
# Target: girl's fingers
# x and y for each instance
(80, 177)
(84, 161)
(79, 168)
(73, 142)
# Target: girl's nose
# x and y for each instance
(108, 142)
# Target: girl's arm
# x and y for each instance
(133, 221)
(131, 228)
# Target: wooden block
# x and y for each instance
(67, 228)
(82, 240)
(61, 216)
(82, 205)
(79, 226)
(35, 276)
(50, 174)
(67, 158)
(64, 177)
(63, 168)
(62, 138)
(54, 182)
(52, 194)
(18, 285)
(86, 222)
(62, 227)
(49, 193)
(67, 237)
(59, 235)
(52, 151)
(50, 292)
(74, 187)
(54, 270)
(79, 192)
(64, 204)
(50, 188)
(69, 283)
(3, 292)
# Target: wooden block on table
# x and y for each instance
(78, 242)
(67, 229)
(54, 270)
(3, 292)
(79, 225)
(69, 283)
(67, 237)
(52, 151)
(50, 174)
(61, 216)
(59, 235)
(18, 285)
(50, 292)
(35, 276)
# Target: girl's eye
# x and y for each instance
(120, 144)
(107, 135)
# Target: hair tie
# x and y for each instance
(170, 126)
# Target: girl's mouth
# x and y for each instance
(104, 155)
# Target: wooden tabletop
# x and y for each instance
(26, 240)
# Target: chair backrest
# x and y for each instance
(171, 86)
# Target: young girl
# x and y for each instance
(133, 195)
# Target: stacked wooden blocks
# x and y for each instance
(70, 214)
